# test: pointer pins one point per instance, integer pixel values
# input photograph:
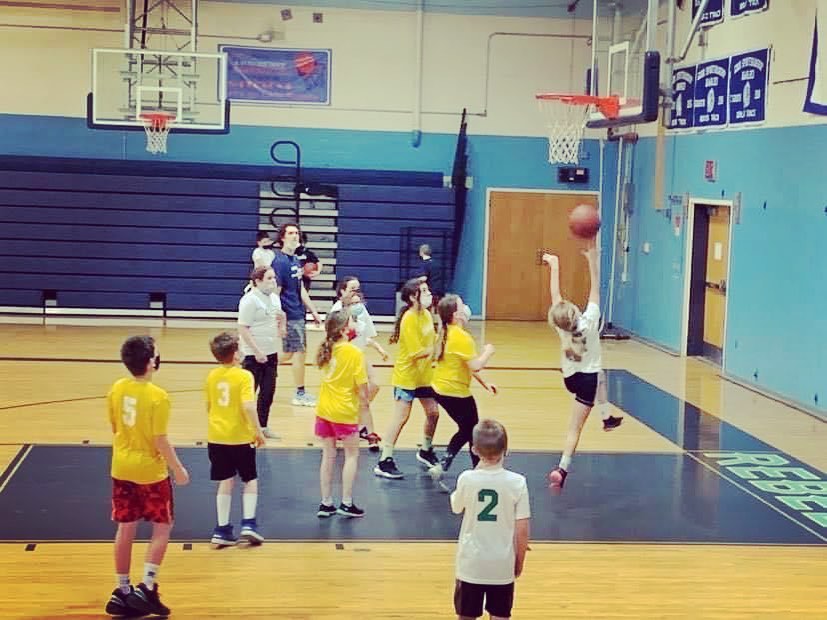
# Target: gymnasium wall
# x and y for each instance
(370, 122)
(777, 287)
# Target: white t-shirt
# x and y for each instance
(258, 312)
(493, 500)
(364, 325)
(263, 257)
(589, 349)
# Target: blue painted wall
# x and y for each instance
(505, 162)
(777, 294)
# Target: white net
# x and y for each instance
(565, 123)
(157, 129)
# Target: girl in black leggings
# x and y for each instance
(457, 361)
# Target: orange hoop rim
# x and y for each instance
(609, 106)
(157, 120)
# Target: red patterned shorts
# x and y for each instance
(149, 502)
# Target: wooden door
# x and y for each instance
(717, 267)
(520, 223)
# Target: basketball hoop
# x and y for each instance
(157, 126)
(566, 117)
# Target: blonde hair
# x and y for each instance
(490, 439)
(565, 316)
(333, 325)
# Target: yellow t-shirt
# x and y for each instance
(338, 396)
(452, 377)
(139, 411)
(227, 389)
(416, 333)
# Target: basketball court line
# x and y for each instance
(753, 495)
(15, 464)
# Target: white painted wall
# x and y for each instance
(373, 64)
(787, 26)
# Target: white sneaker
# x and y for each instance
(303, 400)
(269, 434)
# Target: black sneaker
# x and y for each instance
(325, 511)
(147, 601)
(427, 457)
(350, 511)
(611, 423)
(386, 468)
(118, 607)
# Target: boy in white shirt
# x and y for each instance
(494, 536)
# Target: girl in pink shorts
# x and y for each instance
(343, 391)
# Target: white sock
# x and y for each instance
(249, 500)
(604, 410)
(565, 462)
(150, 573)
(347, 501)
(123, 583)
(222, 504)
(327, 501)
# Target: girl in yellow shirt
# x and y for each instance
(343, 392)
(456, 362)
(412, 371)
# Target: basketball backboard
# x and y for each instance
(625, 60)
(129, 83)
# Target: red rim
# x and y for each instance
(609, 106)
(157, 120)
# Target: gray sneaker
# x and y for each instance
(304, 399)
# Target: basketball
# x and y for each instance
(584, 222)
(311, 270)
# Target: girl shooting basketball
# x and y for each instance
(580, 358)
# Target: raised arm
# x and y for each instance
(593, 259)
(554, 277)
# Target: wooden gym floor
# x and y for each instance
(704, 504)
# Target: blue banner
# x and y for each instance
(748, 87)
(683, 98)
(263, 74)
(714, 11)
(745, 7)
(711, 90)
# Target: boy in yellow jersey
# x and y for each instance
(343, 392)
(412, 371)
(233, 436)
(141, 489)
(456, 361)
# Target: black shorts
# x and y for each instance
(469, 597)
(584, 387)
(226, 461)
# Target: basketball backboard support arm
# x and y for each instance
(163, 25)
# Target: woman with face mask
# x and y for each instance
(412, 371)
(261, 325)
(456, 362)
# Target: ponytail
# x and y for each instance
(445, 311)
(409, 290)
(335, 323)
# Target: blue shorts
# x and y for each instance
(409, 395)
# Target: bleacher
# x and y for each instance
(145, 238)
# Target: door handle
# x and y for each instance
(717, 286)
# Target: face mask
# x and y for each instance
(157, 362)
(425, 300)
(357, 309)
(351, 333)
